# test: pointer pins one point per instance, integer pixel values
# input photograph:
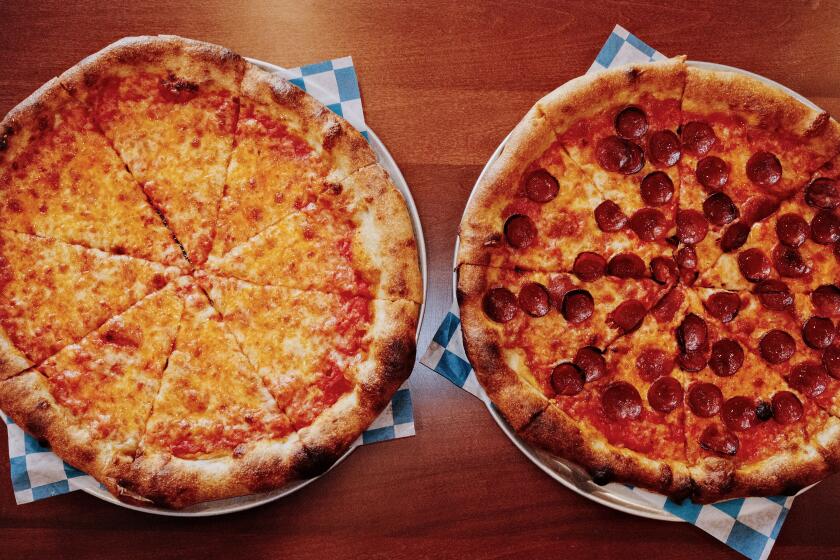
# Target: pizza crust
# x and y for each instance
(518, 401)
(27, 399)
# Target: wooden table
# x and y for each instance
(442, 85)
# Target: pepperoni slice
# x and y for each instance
(620, 155)
(776, 346)
(734, 237)
(774, 294)
(664, 148)
(757, 208)
(653, 363)
(692, 361)
(809, 378)
(719, 441)
(589, 266)
(789, 262)
(667, 306)
(787, 408)
(727, 357)
(831, 361)
(738, 414)
(663, 270)
(578, 306)
(631, 122)
(621, 401)
(823, 193)
(534, 299)
(723, 306)
(567, 379)
(626, 265)
(825, 227)
(649, 224)
(520, 231)
(754, 265)
(698, 138)
(665, 394)
(712, 172)
(719, 209)
(500, 305)
(792, 229)
(826, 300)
(818, 332)
(609, 216)
(692, 334)
(686, 257)
(657, 189)
(692, 226)
(591, 362)
(705, 399)
(627, 316)
(764, 169)
(541, 186)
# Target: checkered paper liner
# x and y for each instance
(748, 525)
(38, 473)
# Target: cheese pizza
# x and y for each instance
(208, 285)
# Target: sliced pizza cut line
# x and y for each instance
(200, 445)
(61, 178)
(34, 271)
(91, 400)
(169, 107)
(357, 238)
(288, 148)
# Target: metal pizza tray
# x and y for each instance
(231, 505)
(615, 496)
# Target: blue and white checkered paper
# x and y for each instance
(39, 473)
(748, 525)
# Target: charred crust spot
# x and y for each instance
(42, 405)
(316, 462)
(666, 477)
(633, 74)
(332, 135)
(602, 476)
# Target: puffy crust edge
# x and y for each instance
(559, 434)
(46, 99)
(27, 399)
(518, 401)
(12, 360)
(390, 362)
(155, 49)
(387, 232)
(573, 100)
(730, 91)
(173, 482)
(340, 138)
(532, 136)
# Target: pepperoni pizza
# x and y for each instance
(208, 286)
(649, 282)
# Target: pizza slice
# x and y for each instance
(169, 106)
(330, 361)
(202, 443)
(747, 147)
(91, 400)
(53, 293)
(518, 326)
(357, 239)
(620, 413)
(60, 178)
(746, 432)
(620, 128)
(796, 245)
(289, 149)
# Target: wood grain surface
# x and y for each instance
(442, 84)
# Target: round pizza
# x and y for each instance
(208, 286)
(649, 282)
